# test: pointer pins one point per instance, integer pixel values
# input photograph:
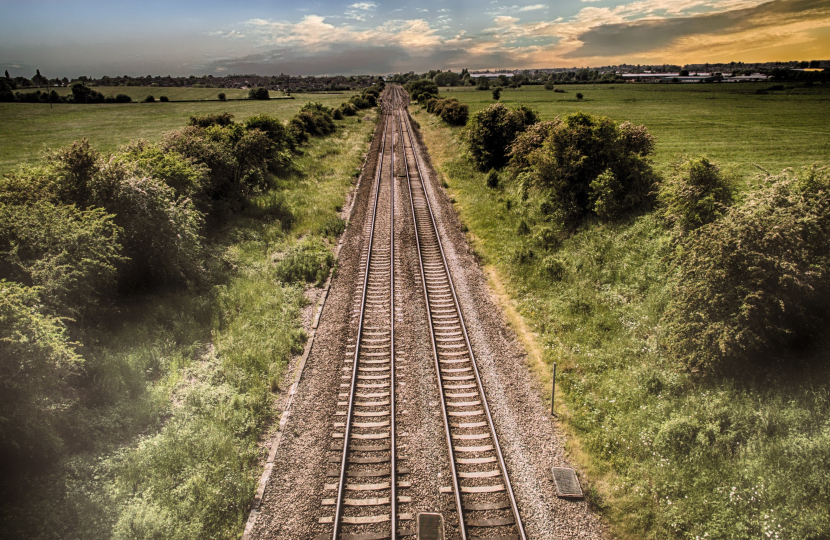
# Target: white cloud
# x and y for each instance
(364, 5)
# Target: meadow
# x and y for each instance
(662, 451)
(27, 130)
(729, 123)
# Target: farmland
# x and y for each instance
(29, 129)
(665, 452)
(729, 123)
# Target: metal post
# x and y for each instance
(553, 390)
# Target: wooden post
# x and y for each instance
(553, 390)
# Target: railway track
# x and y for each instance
(367, 493)
(484, 496)
(366, 460)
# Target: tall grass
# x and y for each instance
(668, 454)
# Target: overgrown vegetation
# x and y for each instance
(149, 301)
(689, 339)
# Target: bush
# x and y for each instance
(755, 285)
(454, 113)
(695, 194)
(221, 96)
(84, 94)
(338, 114)
(123, 98)
(309, 261)
(483, 83)
(219, 119)
(259, 93)
(496, 93)
(348, 109)
(164, 99)
(183, 174)
(149, 99)
(550, 85)
(69, 254)
(421, 90)
(579, 96)
(585, 164)
(493, 179)
(493, 130)
(36, 360)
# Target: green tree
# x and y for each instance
(222, 96)
(482, 83)
(493, 130)
(496, 93)
(258, 93)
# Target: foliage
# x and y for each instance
(483, 83)
(496, 94)
(755, 284)
(586, 164)
(69, 255)
(83, 94)
(221, 96)
(258, 93)
(36, 361)
(421, 90)
(447, 78)
(164, 99)
(579, 96)
(493, 130)
(696, 193)
(308, 261)
(150, 99)
(221, 119)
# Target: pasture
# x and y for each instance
(730, 123)
(27, 130)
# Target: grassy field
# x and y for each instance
(170, 439)
(27, 130)
(662, 452)
(729, 123)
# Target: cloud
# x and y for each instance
(233, 34)
(516, 9)
(778, 20)
(364, 5)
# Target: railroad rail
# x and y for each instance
(483, 494)
(367, 491)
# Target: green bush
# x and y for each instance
(183, 174)
(421, 90)
(69, 254)
(454, 113)
(483, 83)
(493, 130)
(754, 286)
(259, 93)
(696, 193)
(493, 179)
(164, 99)
(586, 164)
(219, 119)
(221, 96)
(309, 261)
(149, 99)
(36, 360)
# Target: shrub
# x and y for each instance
(123, 98)
(496, 93)
(348, 109)
(36, 359)
(493, 130)
(483, 83)
(69, 254)
(579, 96)
(359, 102)
(164, 99)
(338, 114)
(586, 164)
(84, 94)
(219, 119)
(222, 96)
(696, 193)
(149, 99)
(550, 85)
(454, 113)
(421, 90)
(258, 93)
(309, 261)
(183, 174)
(493, 179)
(756, 284)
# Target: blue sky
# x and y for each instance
(379, 37)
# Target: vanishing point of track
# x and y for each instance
(368, 493)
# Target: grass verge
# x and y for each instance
(665, 454)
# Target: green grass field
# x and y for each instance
(27, 130)
(756, 462)
(729, 123)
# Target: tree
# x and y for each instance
(149, 99)
(496, 93)
(684, 73)
(222, 96)
(482, 83)
(493, 130)
(579, 96)
(258, 93)
(7, 74)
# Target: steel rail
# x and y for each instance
(343, 462)
(486, 407)
(393, 469)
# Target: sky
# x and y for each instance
(378, 37)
